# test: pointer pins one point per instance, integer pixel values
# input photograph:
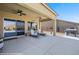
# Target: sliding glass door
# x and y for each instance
(9, 28)
(20, 27)
(13, 27)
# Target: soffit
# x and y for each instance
(13, 7)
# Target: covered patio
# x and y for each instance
(34, 12)
(23, 12)
(44, 45)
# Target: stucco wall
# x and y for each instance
(62, 25)
(47, 25)
(1, 27)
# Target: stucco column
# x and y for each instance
(39, 25)
(54, 27)
(1, 27)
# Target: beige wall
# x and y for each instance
(1, 27)
(47, 25)
(65, 24)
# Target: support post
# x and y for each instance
(54, 27)
(39, 25)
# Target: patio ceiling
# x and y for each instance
(40, 8)
(13, 7)
(34, 10)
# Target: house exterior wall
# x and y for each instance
(63, 25)
(47, 25)
(60, 25)
(1, 27)
(8, 15)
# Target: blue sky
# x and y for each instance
(66, 11)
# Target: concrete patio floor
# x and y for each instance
(44, 45)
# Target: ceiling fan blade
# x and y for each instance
(23, 13)
(19, 11)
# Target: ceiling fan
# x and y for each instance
(20, 12)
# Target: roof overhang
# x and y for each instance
(40, 8)
(32, 10)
